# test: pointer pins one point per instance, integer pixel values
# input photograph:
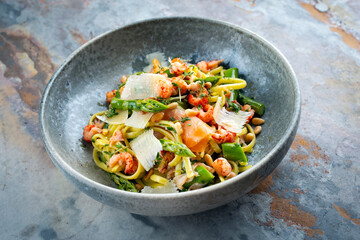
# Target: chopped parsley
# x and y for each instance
(111, 113)
(185, 74)
(185, 119)
(108, 153)
(163, 100)
(117, 94)
(121, 85)
(171, 129)
(170, 75)
(139, 73)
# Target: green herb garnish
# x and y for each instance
(111, 113)
(170, 75)
(185, 119)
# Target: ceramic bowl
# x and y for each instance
(75, 89)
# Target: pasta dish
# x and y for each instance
(178, 127)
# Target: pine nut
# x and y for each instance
(149, 173)
(191, 113)
(178, 128)
(257, 130)
(157, 117)
(257, 121)
(105, 132)
(208, 85)
(208, 159)
(249, 137)
(138, 186)
(173, 105)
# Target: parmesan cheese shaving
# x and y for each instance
(138, 119)
(146, 146)
(141, 86)
(117, 119)
(231, 121)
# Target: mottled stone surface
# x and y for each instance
(315, 191)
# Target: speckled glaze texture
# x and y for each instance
(82, 81)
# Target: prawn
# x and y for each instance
(166, 158)
(178, 83)
(177, 66)
(170, 173)
(89, 131)
(125, 161)
(180, 181)
(247, 108)
(194, 87)
(200, 98)
(110, 95)
(206, 114)
(99, 123)
(222, 167)
(156, 66)
(223, 136)
(117, 137)
(208, 66)
(164, 88)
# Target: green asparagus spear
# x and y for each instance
(177, 148)
(123, 183)
(232, 73)
(213, 79)
(233, 152)
(258, 107)
(204, 177)
(148, 105)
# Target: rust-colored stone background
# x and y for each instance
(315, 191)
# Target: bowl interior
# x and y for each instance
(82, 82)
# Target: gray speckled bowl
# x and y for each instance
(96, 67)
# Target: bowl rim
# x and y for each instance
(66, 168)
